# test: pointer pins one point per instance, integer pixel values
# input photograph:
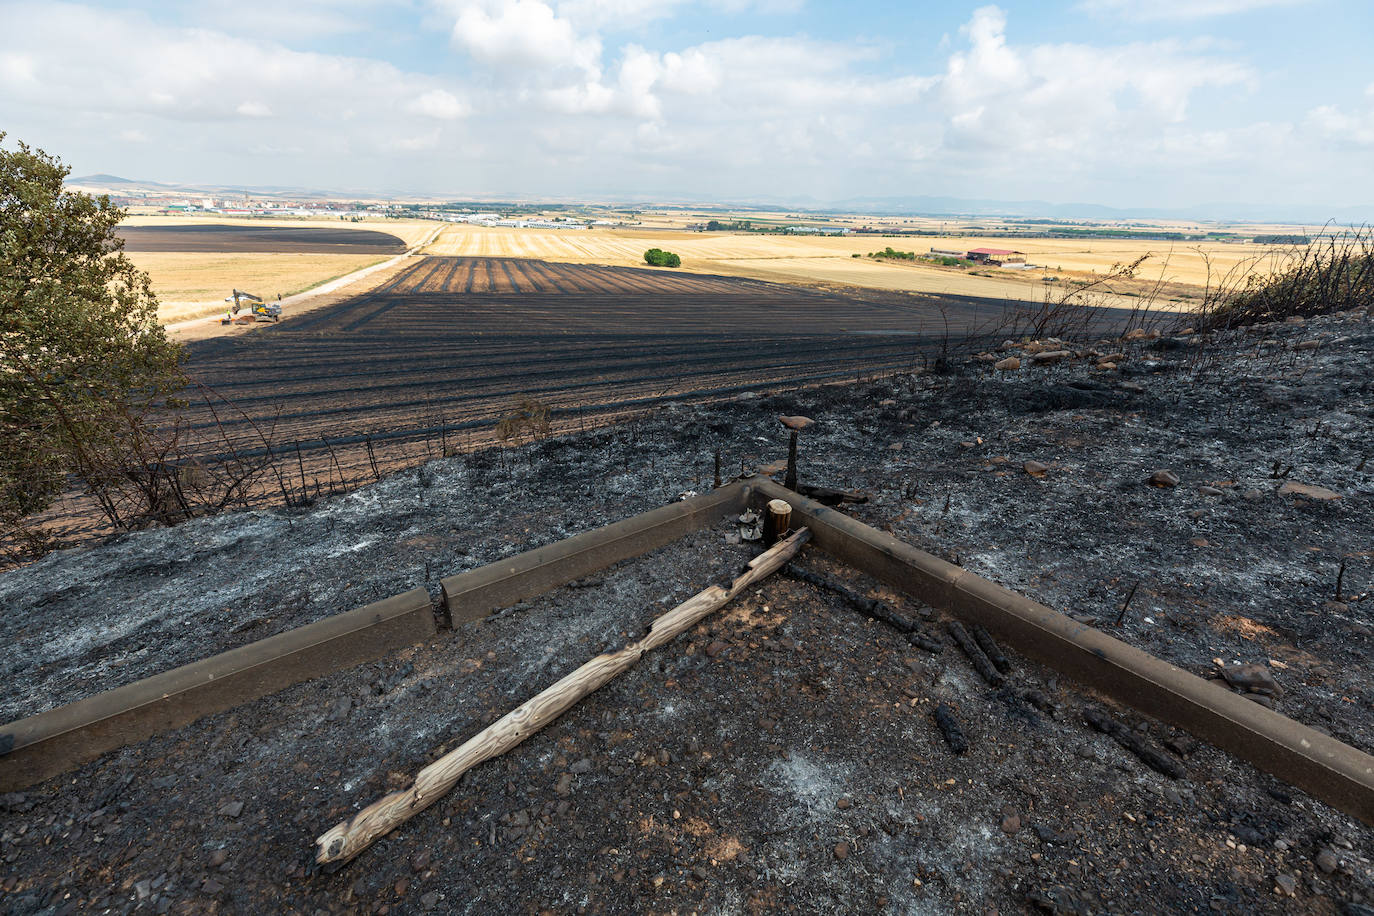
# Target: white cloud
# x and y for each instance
(624, 15)
(523, 34)
(18, 69)
(438, 104)
(413, 144)
(561, 96)
(282, 21)
(203, 85)
(621, 14)
(1147, 10)
(1347, 128)
(1051, 102)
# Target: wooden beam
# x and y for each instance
(345, 841)
(1336, 773)
(61, 739)
(476, 593)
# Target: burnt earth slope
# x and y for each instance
(783, 756)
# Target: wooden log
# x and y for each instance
(830, 496)
(1150, 755)
(344, 841)
(949, 727)
(880, 611)
(980, 662)
(777, 519)
(991, 649)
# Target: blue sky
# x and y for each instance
(1166, 103)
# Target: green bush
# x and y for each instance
(84, 363)
(945, 260)
(660, 258)
(892, 254)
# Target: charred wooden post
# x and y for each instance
(344, 841)
(949, 727)
(717, 486)
(991, 649)
(790, 480)
(796, 425)
(830, 496)
(777, 518)
(975, 655)
(880, 611)
(1148, 754)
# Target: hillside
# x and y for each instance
(782, 755)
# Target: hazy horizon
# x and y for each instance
(1266, 103)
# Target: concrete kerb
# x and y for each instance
(1327, 769)
(61, 739)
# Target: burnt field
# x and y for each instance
(276, 239)
(784, 755)
(428, 362)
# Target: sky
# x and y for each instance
(1125, 103)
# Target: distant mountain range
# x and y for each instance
(920, 205)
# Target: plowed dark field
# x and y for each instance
(447, 346)
(430, 361)
(219, 239)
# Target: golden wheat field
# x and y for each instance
(191, 284)
(829, 260)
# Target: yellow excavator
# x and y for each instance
(258, 310)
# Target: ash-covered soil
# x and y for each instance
(783, 756)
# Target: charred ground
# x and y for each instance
(782, 756)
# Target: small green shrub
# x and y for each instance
(657, 257)
(892, 254)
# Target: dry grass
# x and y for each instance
(187, 283)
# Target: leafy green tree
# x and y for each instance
(83, 360)
(660, 258)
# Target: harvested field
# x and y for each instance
(783, 755)
(191, 284)
(1182, 266)
(409, 231)
(276, 239)
(447, 346)
(427, 363)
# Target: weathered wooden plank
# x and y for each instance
(53, 742)
(345, 841)
(476, 593)
(1336, 773)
